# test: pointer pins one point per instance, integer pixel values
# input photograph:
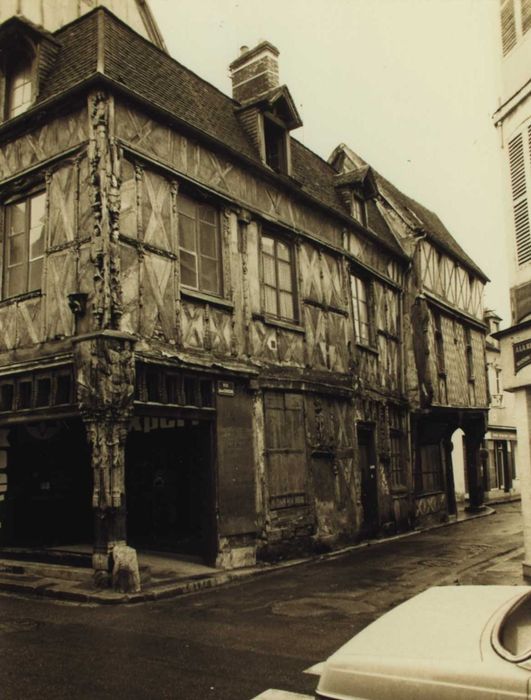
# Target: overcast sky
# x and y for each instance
(410, 85)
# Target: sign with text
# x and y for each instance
(226, 388)
(522, 355)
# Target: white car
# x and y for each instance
(449, 643)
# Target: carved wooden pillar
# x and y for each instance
(449, 469)
(104, 365)
(474, 434)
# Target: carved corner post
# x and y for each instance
(104, 365)
(474, 433)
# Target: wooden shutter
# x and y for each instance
(236, 468)
(285, 449)
(517, 165)
(526, 15)
(508, 25)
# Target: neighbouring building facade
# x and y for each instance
(513, 119)
(213, 341)
(499, 463)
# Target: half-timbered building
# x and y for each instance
(213, 341)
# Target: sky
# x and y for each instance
(410, 85)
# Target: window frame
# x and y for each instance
(22, 54)
(279, 239)
(359, 209)
(274, 127)
(197, 253)
(368, 340)
(26, 197)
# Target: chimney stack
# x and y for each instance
(254, 72)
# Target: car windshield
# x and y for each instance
(513, 633)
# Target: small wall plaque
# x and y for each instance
(226, 388)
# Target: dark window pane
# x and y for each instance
(190, 392)
(24, 394)
(186, 206)
(44, 390)
(63, 391)
(206, 393)
(153, 386)
(6, 397)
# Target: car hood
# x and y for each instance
(445, 623)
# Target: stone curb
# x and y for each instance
(40, 589)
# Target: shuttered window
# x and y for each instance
(285, 449)
(526, 15)
(508, 25)
(519, 164)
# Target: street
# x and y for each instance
(236, 641)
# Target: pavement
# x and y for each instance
(166, 576)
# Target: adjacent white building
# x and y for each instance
(513, 119)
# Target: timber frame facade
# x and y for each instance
(211, 340)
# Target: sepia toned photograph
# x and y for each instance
(265, 349)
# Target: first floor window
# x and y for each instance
(360, 304)
(24, 244)
(199, 246)
(278, 278)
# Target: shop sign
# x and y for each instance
(522, 355)
(226, 388)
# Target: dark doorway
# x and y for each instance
(49, 500)
(369, 481)
(169, 489)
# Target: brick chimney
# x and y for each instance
(254, 72)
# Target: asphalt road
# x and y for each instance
(234, 642)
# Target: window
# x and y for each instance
(358, 209)
(18, 78)
(199, 246)
(24, 245)
(430, 473)
(469, 355)
(275, 145)
(278, 278)
(360, 304)
(398, 464)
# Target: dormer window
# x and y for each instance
(358, 209)
(18, 76)
(19, 84)
(275, 138)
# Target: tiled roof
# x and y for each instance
(138, 65)
(430, 223)
(77, 58)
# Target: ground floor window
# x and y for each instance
(429, 474)
(285, 449)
